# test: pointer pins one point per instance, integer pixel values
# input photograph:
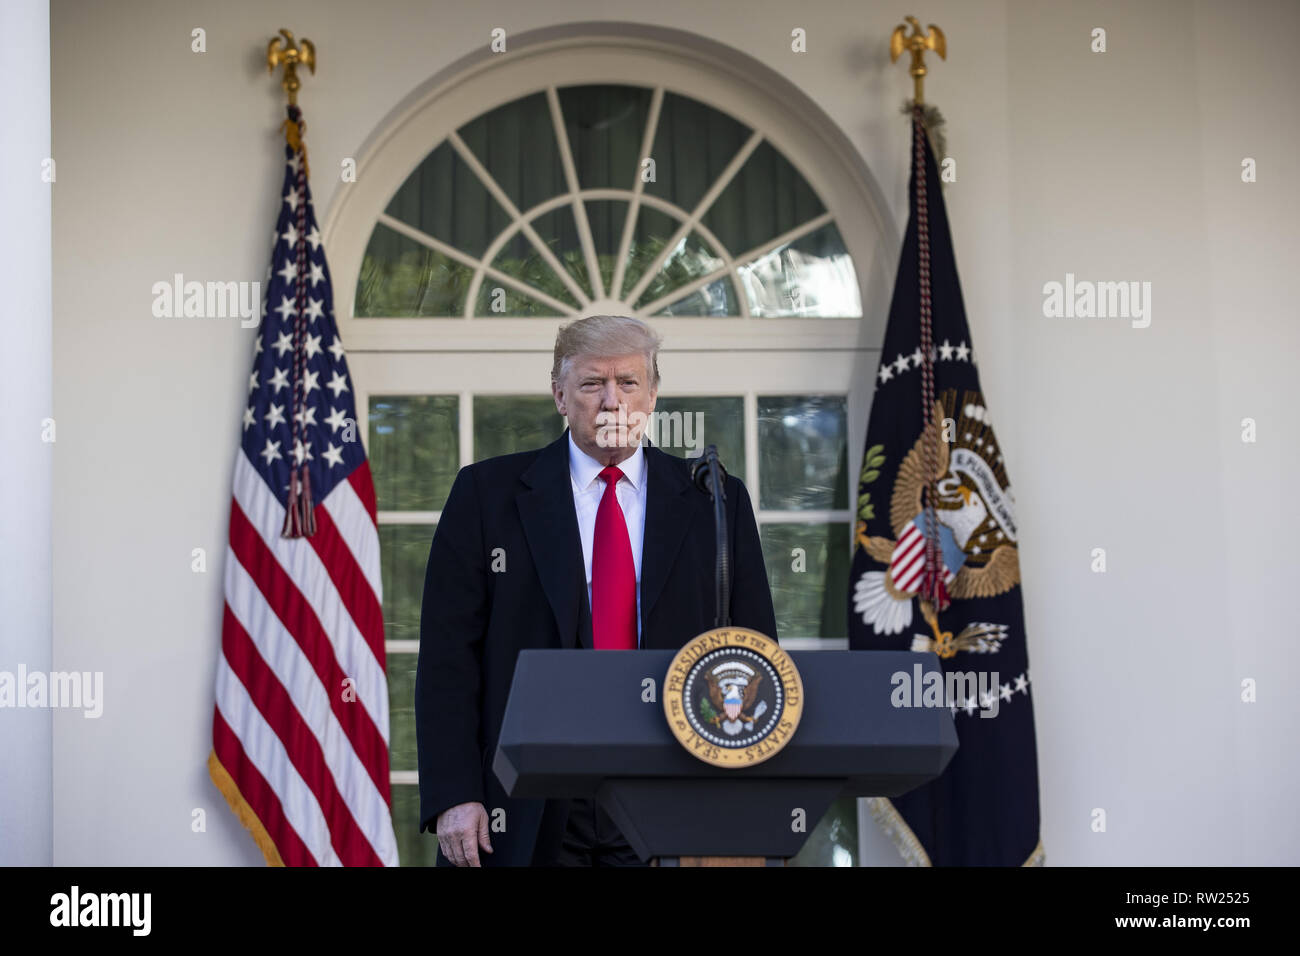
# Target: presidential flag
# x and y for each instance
(300, 730)
(936, 563)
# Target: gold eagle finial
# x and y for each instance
(284, 51)
(918, 43)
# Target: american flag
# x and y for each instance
(300, 730)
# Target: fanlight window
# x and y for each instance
(610, 198)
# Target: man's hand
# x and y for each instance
(462, 829)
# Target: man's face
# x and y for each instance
(608, 400)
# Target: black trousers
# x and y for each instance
(591, 838)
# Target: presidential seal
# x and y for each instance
(733, 697)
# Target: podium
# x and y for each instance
(585, 723)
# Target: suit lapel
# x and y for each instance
(551, 527)
(667, 517)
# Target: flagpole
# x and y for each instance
(917, 44)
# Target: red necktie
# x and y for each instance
(613, 575)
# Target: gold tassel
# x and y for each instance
(226, 784)
(893, 825)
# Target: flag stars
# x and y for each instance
(986, 699)
(338, 384)
(336, 419)
(298, 348)
(945, 351)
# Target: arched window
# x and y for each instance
(632, 199)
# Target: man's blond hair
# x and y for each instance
(603, 335)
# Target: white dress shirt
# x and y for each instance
(589, 488)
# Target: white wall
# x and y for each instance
(1123, 165)
(26, 393)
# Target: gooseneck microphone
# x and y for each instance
(710, 477)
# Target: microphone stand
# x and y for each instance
(710, 477)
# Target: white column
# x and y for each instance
(26, 395)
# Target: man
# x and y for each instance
(595, 541)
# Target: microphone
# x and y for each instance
(700, 468)
(710, 477)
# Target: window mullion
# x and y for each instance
(696, 215)
(499, 194)
(638, 187)
(579, 211)
(795, 234)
